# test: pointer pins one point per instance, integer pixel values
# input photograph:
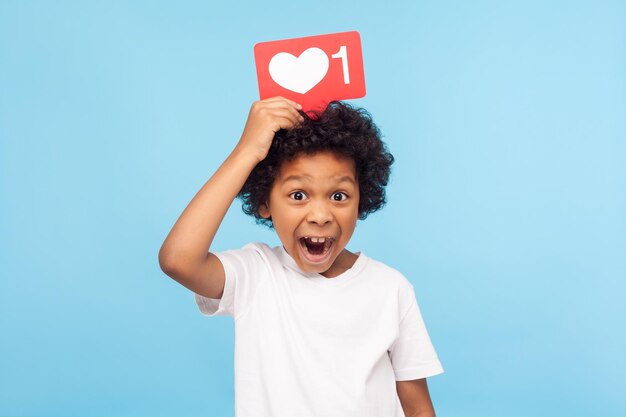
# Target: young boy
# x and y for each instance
(320, 331)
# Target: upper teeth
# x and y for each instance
(317, 239)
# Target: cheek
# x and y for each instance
(349, 219)
(283, 224)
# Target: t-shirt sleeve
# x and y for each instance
(412, 353)
(243, 271)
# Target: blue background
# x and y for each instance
(507, 205)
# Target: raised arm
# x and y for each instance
(185, 255)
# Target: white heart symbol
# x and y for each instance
(299, 74)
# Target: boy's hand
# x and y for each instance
(185, 254)
(267, 117)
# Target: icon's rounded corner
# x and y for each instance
(257, 46)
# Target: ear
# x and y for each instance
(264, 211)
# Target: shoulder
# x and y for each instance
(271, 253)
(397, 286)
(256, 252)
(257, 247)
(388, 275)
(251, 247)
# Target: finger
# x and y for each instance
(294, 112)
(287, 123)
(277, 108)
(282, 105)
(281, 98)
(282, 123)
(289, 113)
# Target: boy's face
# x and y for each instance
(314, 204)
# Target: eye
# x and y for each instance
(340, 196)
(297, 195)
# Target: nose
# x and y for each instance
(319, 213)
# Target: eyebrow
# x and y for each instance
(308, 178)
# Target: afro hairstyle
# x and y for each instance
(342, 129)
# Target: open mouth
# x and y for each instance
(316, 249)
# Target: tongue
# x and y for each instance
(315, 248)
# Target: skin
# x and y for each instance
(415, 398)
(316, 196)
(185, 254)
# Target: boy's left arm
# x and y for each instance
(415, 398)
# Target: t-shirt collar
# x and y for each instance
(290, 263)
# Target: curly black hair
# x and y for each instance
(345, 130)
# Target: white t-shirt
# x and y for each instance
(311, 346)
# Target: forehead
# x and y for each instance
(318, 166)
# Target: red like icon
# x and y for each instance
(312, 71)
